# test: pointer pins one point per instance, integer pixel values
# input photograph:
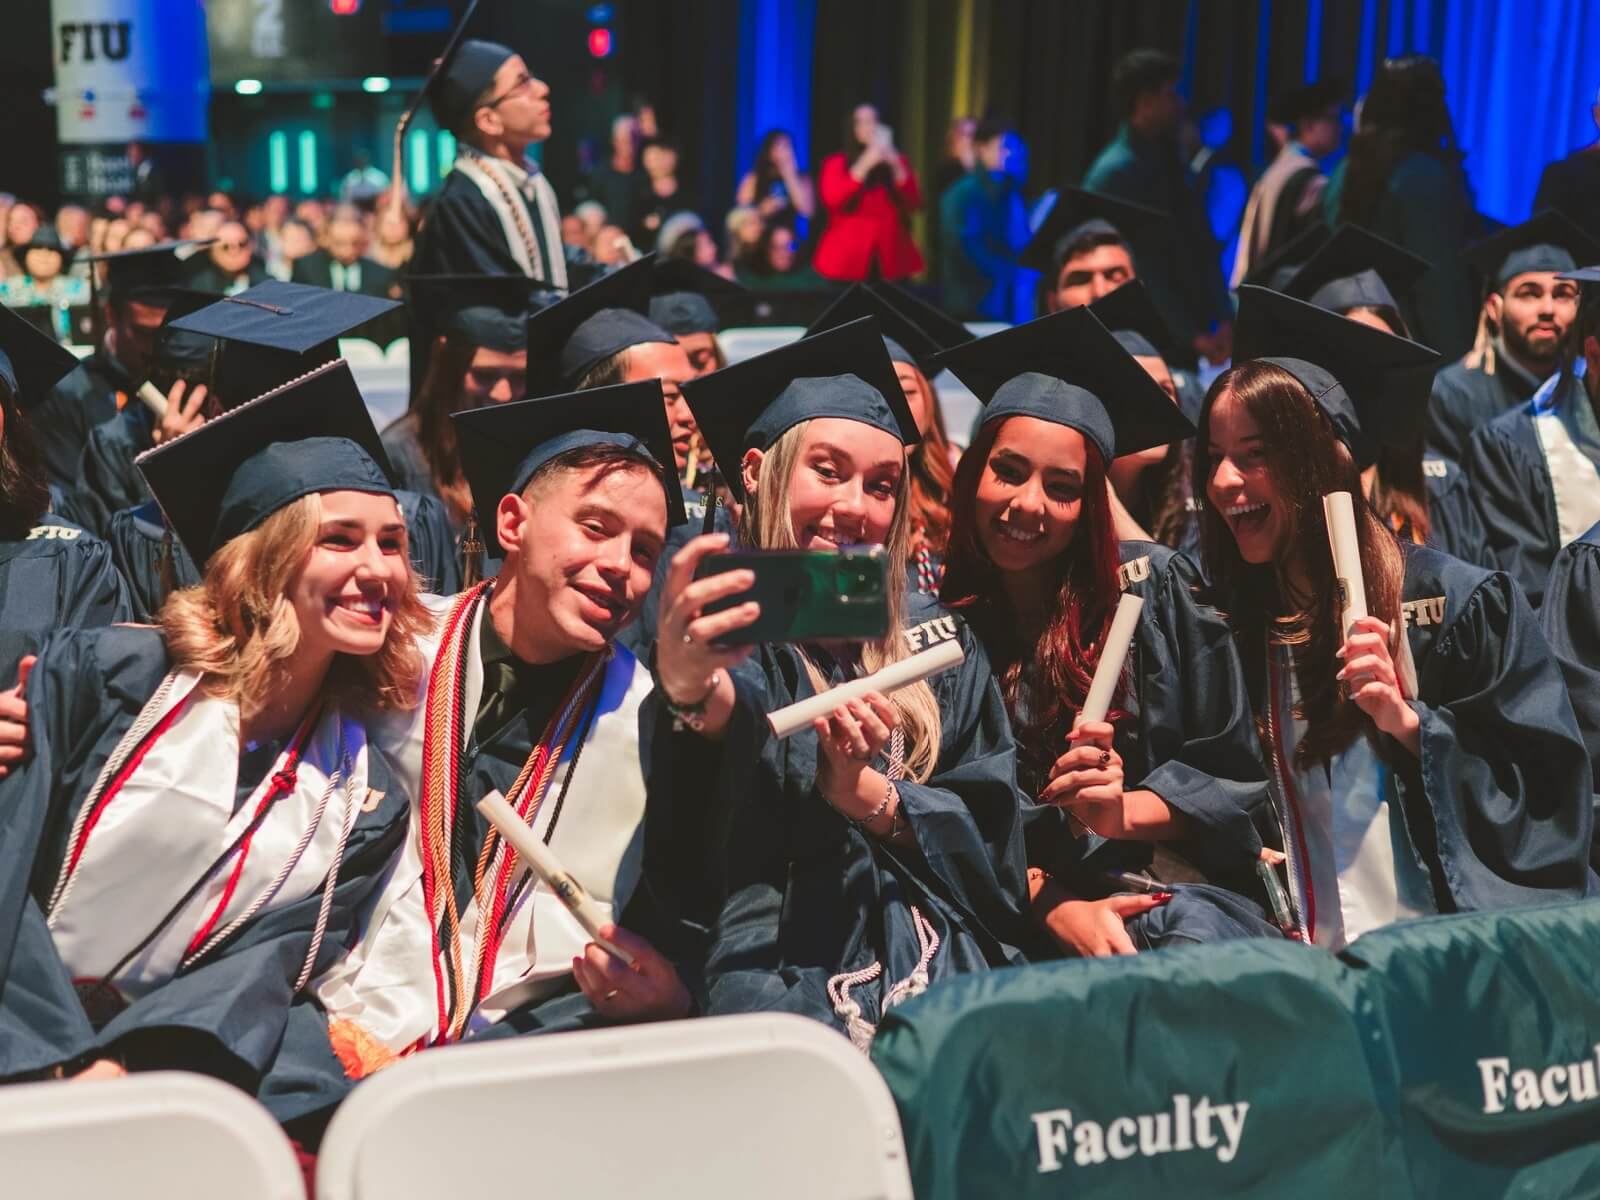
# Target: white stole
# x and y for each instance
(523, 245)
(175, 816)
(386, 984)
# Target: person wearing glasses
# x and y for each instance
(230, 266)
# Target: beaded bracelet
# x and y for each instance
(693, 714)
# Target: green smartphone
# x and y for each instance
(808, 595)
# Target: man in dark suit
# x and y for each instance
(230, 266)
(342, 263)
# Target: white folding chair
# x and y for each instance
(740, 344)
(360, 352)
(774, 1106)
(165, 1135)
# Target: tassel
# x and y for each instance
(709, 524)
(471, 553)
(166, 568)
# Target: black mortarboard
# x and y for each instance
(1068, 369)
(1355, 268)
(1550, 241)
(1133, 320)
(502, 445)
(236, 470)
(178, 349)
(1277, 268)
(1077, 213)
(148, 274)
(571, 337)
(31, 362)
(685, 297)
(1384, 381)
(1294, 104)
(1583, 274)
(276, 331)
(485, 310)
(903, 338)
(466, 75)
(842, 372)
(944, 329)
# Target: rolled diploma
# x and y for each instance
(544, 864)
(153, 399)
(1115, 652)
(1339, 514)
(787, 722)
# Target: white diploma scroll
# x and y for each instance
(547, 867)
(787, 722)
(1115, 652)
(1338, 512)
(153, 399)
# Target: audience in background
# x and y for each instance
(1572, 184)
(869, 191)
(982, 226)
(775, 185)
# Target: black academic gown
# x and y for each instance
(1465, 399)
(1500, 804)
(793, 892)
(1571, 620)
(83, 399)
(108, 480)
(225, 1017)
(58, 577)
(139, 545)
(1510, 482)
(1457, 525)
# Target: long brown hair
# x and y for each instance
(1403, 113)
(24, 494)
(1042, 702)
(438, 397)
(1305, 461)
(932, 476)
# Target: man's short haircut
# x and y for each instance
(988, 129)
(585, 458)
(1086, 242)
(1139, 72)
(606, 372)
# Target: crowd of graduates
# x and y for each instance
(269, 658)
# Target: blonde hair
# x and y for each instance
(237, 625)
(765, 523)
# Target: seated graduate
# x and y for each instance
(1523, 325)
(691, 303)
(912, 349)
(1153, 484)
(481, 358)
(53, 574)
(271, 333)
(1422, 497)
(528, 694)
(844, 868)
(204, 812)
(1535, 471)
(1427, 759)
(1571, 619)
(1037, 571)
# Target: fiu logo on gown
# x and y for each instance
(1191, 1125)
(1428, 611)
(1135, 570)
(931, 633)
(59, 533)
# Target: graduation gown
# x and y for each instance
(58, 577)
(1497, 811)
(137, 537)
(1189, 736)
(464, 235)
(1571, 620)
(1457, 525)
(224, 1013)
(1532, 501)
(107, 479)
(80, 401)
(796, 896)
(1466, 398)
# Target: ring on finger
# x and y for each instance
(1105, 758)
(612, 994)
(688, 638)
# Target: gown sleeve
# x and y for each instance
(95, 592)
(1503, 769)
(1515, 506)
(1571, 619)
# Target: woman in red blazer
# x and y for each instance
(869, 192)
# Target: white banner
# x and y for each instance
(130, 71)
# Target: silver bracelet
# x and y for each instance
(889, 795)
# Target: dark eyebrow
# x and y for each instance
(347, 523)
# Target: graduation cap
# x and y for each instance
(1133, 320)
(1548, 242)
(903, 338)
(1384, 381)
(1276, 269)
(276, 331)
(46, 238)
(1583, 275)
(309, 435)
(31, 362)
(179, 350)
(502, 445)
(149, 274)
(1355, 268)
(571, 337)
(944, 329)
(1078, 213)
(1067, 368)
(842, 372)
(485, 310)
(467, 72)
(685, 297)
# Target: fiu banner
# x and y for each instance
(130, 71)
(1453, 1056)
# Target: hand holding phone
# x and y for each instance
(687, 654)
(805, 595)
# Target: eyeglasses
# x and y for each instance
(524, 81)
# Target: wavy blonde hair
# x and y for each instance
(765, 524)
(237, 625)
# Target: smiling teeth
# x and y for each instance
(1242, 510)
(371, 608)
(1017, 535)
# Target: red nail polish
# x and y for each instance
(1163, 897)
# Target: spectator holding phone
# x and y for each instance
(869, 192)
(847, 866)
